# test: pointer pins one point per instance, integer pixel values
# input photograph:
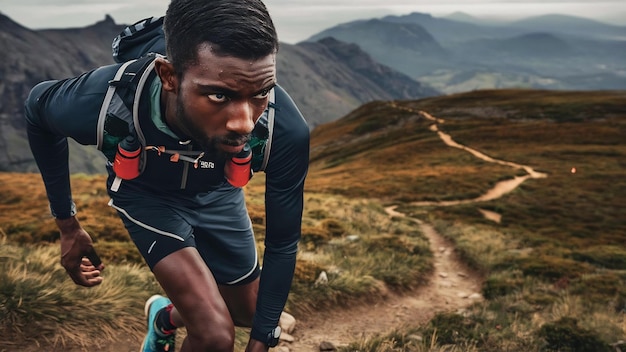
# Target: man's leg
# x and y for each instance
(225, 240)
(241, 301)
(191, 287)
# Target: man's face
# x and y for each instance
(221, 98)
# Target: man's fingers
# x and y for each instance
(94, 258)
(77, 276)
(84, 274)
(87, 279)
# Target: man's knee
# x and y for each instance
(218, 336)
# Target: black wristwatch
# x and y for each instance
(273, 337)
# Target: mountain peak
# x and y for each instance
(557, 20)
(108, 20)
(461, 16)
(8, 25)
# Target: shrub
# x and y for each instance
(553, 268)
(540, 298)
(370, 126)
(501, 286)
(450, 328)
(313, 237)
(333, 227)
(317, 214)
(602, 287)
(565, 335)
(307, 271)
(610, 257)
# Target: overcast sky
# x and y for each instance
(296, 20)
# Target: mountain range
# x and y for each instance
(327, 79)
(339, 69)
(462, 53)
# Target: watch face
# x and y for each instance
(273, 337)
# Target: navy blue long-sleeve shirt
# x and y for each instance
(56, 110)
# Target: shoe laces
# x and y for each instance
(166, 342)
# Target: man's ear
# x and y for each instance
(166, 73)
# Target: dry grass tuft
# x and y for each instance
(40, 303)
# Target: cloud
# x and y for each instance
(298, 19)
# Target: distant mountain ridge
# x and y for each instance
(35, 56)
(396, 44)
(571, 25)
(327, 80)
(545, 52)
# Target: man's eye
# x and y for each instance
(217, 97)
(264, 93)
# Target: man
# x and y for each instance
(200, 103)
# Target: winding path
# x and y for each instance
(501, 188)
(452, 287)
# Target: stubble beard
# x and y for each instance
(209, 145)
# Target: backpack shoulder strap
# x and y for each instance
(270, 126)
(261, 142)
(119, 113)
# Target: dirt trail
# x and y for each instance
(501, 188)
(452, 287)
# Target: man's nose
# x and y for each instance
(241, 119)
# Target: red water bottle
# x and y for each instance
(126, 163)
(237, 170)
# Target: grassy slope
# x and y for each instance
(570, 224)
(558, 252)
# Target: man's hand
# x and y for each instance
(256, 346)
(78, 256)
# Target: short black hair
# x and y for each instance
(240, 28)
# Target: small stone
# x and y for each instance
(475, 296)
(414, 337)
(287, 322)
(327, 346)
(286, 337)
(322, 279)
(353, 238)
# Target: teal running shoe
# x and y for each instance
(156, 341)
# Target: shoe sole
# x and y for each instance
(146, 309)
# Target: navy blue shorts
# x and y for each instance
(216, 223)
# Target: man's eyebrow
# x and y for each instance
(268, 87)
(230, 92)
(215, 88)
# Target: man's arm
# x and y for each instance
(286, 173)
(51, 155)
(54, 111)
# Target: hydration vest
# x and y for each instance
(138, 46)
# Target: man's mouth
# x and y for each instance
(231, 149)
